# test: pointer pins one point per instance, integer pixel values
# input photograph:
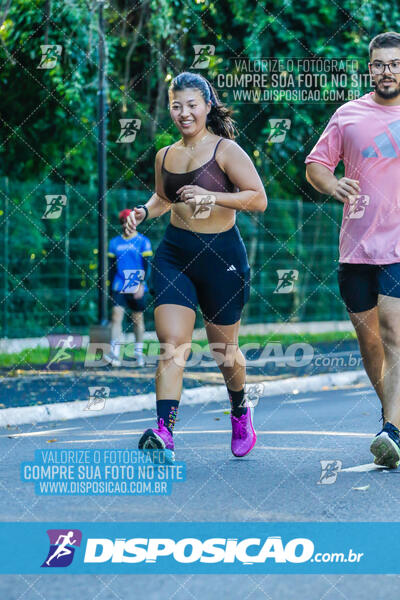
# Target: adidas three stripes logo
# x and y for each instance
(384, 143)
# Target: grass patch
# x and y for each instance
(34, 357)
(294, 338)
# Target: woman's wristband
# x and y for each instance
(146, 210)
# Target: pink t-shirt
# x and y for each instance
(366, 136)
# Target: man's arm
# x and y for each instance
(323, 180)
(323, 160)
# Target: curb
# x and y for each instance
(209, 393)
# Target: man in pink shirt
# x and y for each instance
(365, 135)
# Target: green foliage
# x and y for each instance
(49, 133)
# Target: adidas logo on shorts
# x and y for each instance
(231, 268)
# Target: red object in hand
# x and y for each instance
(123, 215)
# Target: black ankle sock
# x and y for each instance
(237, 405)
(167, 410)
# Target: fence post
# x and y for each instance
(125, 199)
(5, 257)
(299, 287)
(67, 320)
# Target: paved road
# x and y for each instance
(278, 481)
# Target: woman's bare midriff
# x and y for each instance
(221, 219)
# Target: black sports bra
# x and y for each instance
(209, 176)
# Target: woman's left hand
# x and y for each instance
(187, 193)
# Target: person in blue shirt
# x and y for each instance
(129, 256)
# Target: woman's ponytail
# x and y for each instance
(219, 119)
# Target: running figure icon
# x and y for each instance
(61, 353)
(62, 549)
(63, 544)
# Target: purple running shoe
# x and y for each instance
(160, 442)
(243, 434)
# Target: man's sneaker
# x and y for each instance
(243, 434)
(161, 442)
(386, 446)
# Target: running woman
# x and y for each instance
(365, 134)
(130, 254)
(203, 179)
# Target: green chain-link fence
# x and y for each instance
(49, 265)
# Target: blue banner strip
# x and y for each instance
(85, 548)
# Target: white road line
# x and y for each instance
(331, 433)
(96, 441)
(297, 449)
(229, 431)
(360, 392)
(34, 433)
(363, 468)
(301, 400)
(139, 420)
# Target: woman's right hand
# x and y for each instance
(135, 217)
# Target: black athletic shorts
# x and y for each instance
(209, 269)
(128, 301)
(360, 284)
